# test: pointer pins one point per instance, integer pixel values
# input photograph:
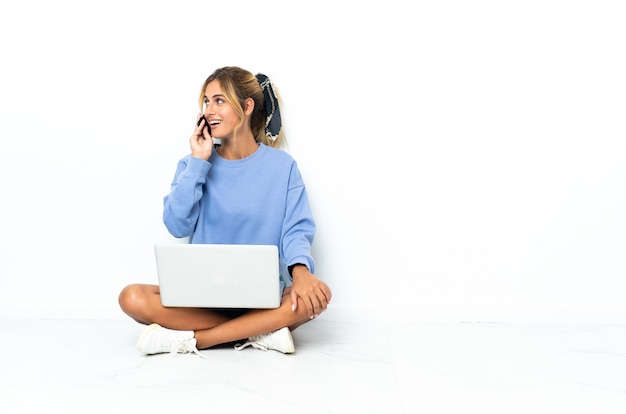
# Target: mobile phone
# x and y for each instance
(206, 124)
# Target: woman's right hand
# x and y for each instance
(200, 141)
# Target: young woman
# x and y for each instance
(244, 191)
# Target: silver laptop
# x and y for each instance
(218, 275)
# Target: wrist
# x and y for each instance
(296, 268)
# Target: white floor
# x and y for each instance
(92, 366)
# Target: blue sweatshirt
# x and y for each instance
(260, 199)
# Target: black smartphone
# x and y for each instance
(206, 124)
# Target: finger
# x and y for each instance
(321, 298)
(199, 120)
(316, 305)
(308, 304)
(327, 293)
(200, 129)
(294, 300)
(318, 302)
(205, 132)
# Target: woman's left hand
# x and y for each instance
(314, 293)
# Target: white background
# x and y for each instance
(465, 160)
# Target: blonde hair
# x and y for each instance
(238, 85)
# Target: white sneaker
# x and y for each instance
(279, 340)
(156, 339)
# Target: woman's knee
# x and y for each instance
(131, 298)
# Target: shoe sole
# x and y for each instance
(147, 331)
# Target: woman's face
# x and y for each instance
(219, 113)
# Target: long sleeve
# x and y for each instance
(181, 207)
(298, 226)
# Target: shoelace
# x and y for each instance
(254, 342)
(185, 347)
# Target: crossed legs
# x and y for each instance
(143, 304)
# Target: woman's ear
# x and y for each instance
(248, 106)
